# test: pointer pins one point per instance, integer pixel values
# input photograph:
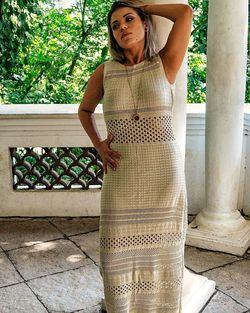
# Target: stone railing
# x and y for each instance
(66, 175)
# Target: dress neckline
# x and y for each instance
(138, 64)
(155, 58)
(133, 65)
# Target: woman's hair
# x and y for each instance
(150, 47)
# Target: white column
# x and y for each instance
(197, 289)
(219, 226)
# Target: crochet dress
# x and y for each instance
(143, 220)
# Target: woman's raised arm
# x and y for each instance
(175, 48)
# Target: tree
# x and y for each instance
(197, 52)
(66, 46)
(48, 53)
(15, 20)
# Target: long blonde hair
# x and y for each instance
(150, 41)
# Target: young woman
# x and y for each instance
(143, 202)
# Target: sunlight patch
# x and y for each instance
(43, 247)
(74, 258)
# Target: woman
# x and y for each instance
(143, 203)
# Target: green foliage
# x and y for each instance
(199, 32)
(65, 47)
(47, 54)
(16, 17)
(197, 53)
(196, 78)
(15, 20)
(248, 81)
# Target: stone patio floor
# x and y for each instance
(51, 265)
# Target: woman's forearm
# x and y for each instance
(88, 122)
(170, 11)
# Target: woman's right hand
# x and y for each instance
(109, 157)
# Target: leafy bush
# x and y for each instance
(47, 54)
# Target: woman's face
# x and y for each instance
(127, 27)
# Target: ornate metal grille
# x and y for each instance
(56, 168)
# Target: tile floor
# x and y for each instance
(51, 265)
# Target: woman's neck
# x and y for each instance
(134, 56)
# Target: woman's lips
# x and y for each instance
(125, 35)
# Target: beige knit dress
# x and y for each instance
(143, 203)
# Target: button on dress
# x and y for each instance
(143, 219)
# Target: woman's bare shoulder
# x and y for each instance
(99, 70)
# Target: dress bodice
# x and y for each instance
(144, 88)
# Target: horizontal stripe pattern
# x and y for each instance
(143, 218)
(119, 73)
(140, 216)
(140, 110)
(141, 303)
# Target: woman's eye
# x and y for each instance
(114, 26)
(128, 19)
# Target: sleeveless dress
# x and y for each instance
(143, 219)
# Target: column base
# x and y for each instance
(197, 290)
(223, 240)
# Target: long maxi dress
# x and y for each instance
(143, 218)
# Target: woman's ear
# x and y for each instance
(145, 27)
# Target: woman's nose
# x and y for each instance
(123, 26)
